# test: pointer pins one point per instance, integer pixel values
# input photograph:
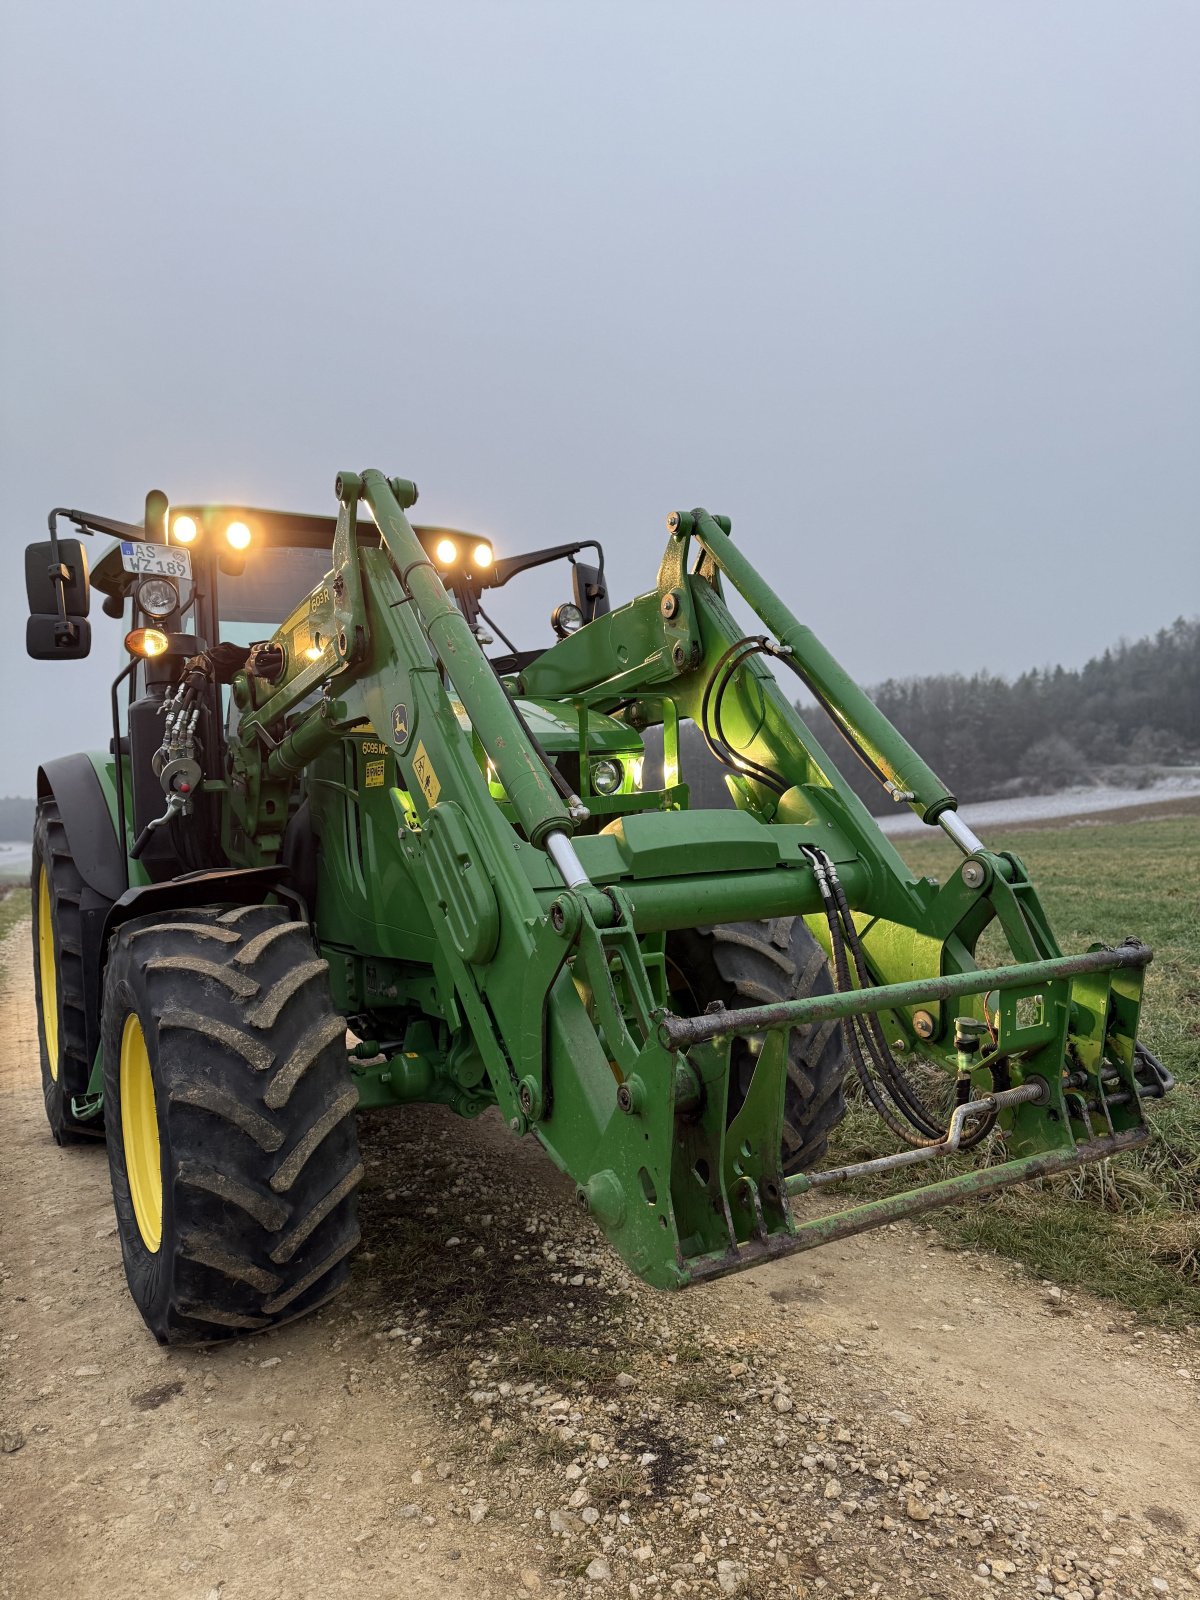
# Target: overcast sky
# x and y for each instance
(908, 290)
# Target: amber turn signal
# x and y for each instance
(147, 642)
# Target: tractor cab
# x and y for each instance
(224, 581)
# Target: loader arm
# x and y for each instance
(547, 934)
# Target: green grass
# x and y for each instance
(1129, 1228)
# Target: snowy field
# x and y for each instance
(1083, 801)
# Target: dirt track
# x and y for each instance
(495, 1409)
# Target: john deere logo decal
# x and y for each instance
(400, 723)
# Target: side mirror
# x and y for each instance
(49, 638)
(44, 577)
(591, 592)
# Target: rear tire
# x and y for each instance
(758, 964)
(58, 979)
(232, 1145)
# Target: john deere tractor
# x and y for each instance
(345, 851)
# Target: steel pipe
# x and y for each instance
(1035, 1092)
(895, 1207)
(678, 1033)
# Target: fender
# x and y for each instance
(88, 811)
(87, 807)
(242, 886)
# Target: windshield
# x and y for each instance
(271, 585)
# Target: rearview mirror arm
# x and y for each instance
(510, 566)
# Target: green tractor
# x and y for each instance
(345, 852)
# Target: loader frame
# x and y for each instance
(545, 941)
(498, 939)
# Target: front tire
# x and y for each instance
(232, 1144)
(58, 979)
(758, 964)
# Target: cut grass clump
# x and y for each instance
(530, 1355)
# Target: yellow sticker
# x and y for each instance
(425, 775)
(374, 779)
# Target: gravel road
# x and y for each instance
(494, 1408)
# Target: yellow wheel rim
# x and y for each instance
(47, 972)
(139, 1133)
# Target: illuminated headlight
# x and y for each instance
(482, 556)
(446, 551)
(606, 776)
(157, 597)
(237, 536)
(184, 530)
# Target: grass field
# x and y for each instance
(1129, 1228)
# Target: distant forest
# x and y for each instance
(1119, 719)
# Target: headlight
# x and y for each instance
(446, 551)
(606, 776)
(157, 597)
(566, 619)
(237, 536)
(184, 530)
(482, 556)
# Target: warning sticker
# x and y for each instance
(374, 777)
(425, 775)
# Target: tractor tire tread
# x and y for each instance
(51, 849)
(761, 963)
(261, 1163)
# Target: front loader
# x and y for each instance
(350, 859)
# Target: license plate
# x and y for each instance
(160, 560)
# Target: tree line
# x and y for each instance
(1120, 718)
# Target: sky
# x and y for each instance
(907, 290)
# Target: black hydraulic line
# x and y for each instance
(866, 1030)
(753, 768)
(789, 660)
(888, 1068)
(896, 1081)
(849, 1029)
(504, 639)
(723, 672)
(843, 983)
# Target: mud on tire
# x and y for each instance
(757, 964)
(254, 1108)
(62, 1033)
